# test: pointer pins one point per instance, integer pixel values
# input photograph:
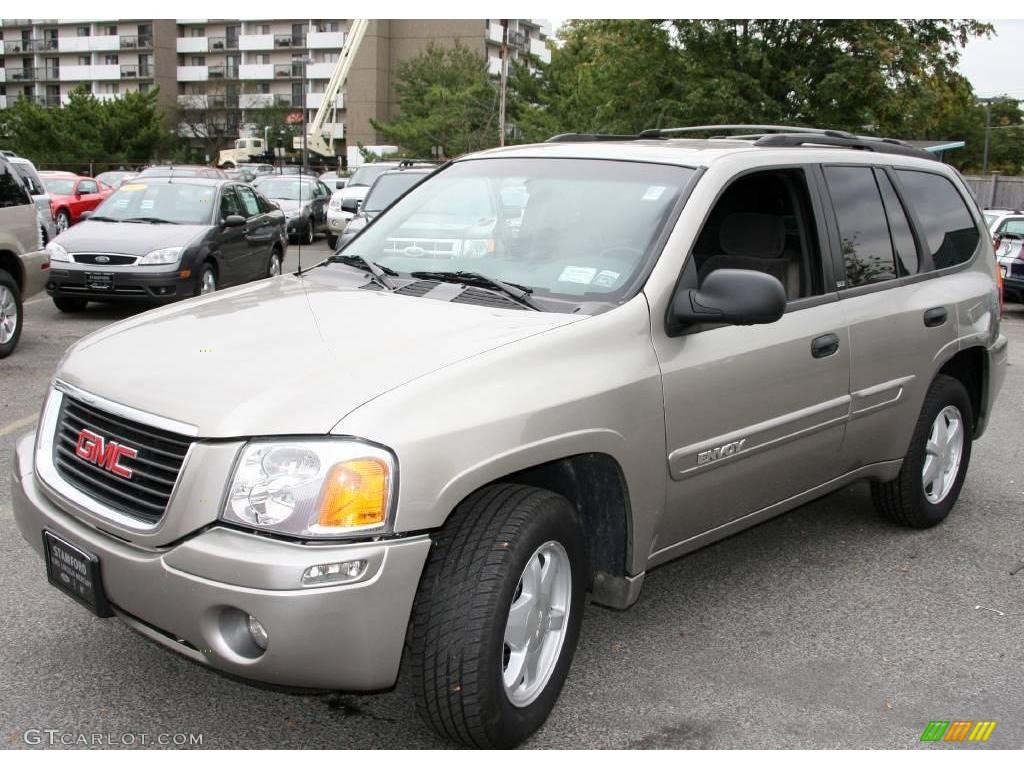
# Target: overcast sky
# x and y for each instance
(996, 66)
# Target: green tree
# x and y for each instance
(447, 99)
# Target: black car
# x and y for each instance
(165, 239)
(304, 201)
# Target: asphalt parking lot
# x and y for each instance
(824, 628)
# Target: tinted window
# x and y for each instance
(12, 192)
(1013, 227)
(249, 204)
(902, 237)
(389, 188)
(229, 205)
(33, 183)
(950, 234)
(87, 187)
(863, 228)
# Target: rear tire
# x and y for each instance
(63, 221)
(69, 303)
(11, 314)
(934, 468)
(497, 615)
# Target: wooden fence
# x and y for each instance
(997, 191)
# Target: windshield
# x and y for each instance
(365, 175)
(389, 188)
(59, 186)
(173, 202)
(565, 228)
(285, 189)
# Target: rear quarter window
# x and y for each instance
(948, 229)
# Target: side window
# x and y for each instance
(1013, 227)
(87, 187)
(249, 205)
(902, 237)
(763, 221)
(950, 234)
(229, 205)
(12, 192)
(863, 228)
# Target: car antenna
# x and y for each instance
(297, 237)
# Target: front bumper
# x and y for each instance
(337, 221)
(158, 287)
(37, 266)
(192, 595)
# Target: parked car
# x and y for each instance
(331, 178)
(303, 200)
(22, 263)
(182, 172)
(71, 196)
(257, 169)
(34, 184)
(994, 217)
(349, 193)
(433, 450)
(115, 179)
(239, 174)
(160, 240)
(384, 191)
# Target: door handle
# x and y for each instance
(935, 316)
(825, 346)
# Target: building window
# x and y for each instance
(262, 29)
(262, 58)
(84, 61)
(110, 29)
(197, 31)
(110, 58)
(262, 87)
(197, 61)
(83, 31)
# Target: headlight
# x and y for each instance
(477, 249)
(312, 488)
(162, 256)
(355, 224)
(57, 252)
(335, 204)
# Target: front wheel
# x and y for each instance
(310, 233)
(498, 614)
(63, 221)
(207, 282)
(69, 303)
(275, 265)
(934, 468)
(332, 241)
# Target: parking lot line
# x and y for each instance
(25, 422)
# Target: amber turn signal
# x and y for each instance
(355, 494)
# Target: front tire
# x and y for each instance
(934, 468)
(11, 314)
(207, 280)
(332, 241)
(274, 268)
(310, 233)
(69, 303)
(498, 615)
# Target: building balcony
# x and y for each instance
(193, 101)
(287, 71)
(333, 40)
(136, 71)
(539, 49)
(255, 100)
(314, 100)
(320, 71)
(21, 75)
(86, 44)
(193, 44)
(222, 72)
(14, 45)
(193, 74)
(106, 72)
(256, 72)
(107, 96)
(136, 42)
(494, 32)
(494, 66)
(47, 101)
(3, 75)
(44, 44)
(4, 103)
(48, 73)
(256, 42)
(289, 41)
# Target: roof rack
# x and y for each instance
(767, 136)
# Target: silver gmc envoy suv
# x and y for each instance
(540, 373)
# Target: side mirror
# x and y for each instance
(733, 296)
(350, 205)
(234, 220)
(84, 215)
(341, 183)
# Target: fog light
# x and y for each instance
(334, 572)
(257, 632)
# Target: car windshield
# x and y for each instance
(285, 189)
(576, 230)
(59, 186)
(389, 188)
(113, 178)
(160, 201)
(365, 175)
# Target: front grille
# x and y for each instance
(154, 470)
(112, 259)
(424, 248)
(119, 290)
(1017, 269)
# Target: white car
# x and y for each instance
(345, 201)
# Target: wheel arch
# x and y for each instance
(11, 264)
(970, 367)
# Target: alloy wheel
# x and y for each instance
(942, 454)
(8, 314)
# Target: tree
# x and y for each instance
(446, 98)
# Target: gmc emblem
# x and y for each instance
(96, 450)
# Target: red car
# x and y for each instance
(71, 196)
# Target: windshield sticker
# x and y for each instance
(606, 278)
(146, 205)
(121, 202)
(653, 193)
(133, 187)
(577, 275)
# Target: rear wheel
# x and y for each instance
(934, 468)
(69, 303)
(10, 314)
(498, 614)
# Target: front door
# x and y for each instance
(755, 415)
(232, 241)
(258, 235)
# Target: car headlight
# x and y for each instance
(57, 252)
(319, 488)
(355, 224)
(477, 249)
(162, 256)
(335, 204)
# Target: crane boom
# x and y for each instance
(314, 141)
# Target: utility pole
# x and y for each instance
(305, 150)
(988, 134)
(504, 82)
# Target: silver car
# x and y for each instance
(34, 184)
(544, 371)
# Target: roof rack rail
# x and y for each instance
(829, 139)
(570, 137)
(660, 133)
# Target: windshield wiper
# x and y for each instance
(149, 220)
(520, 293)
(380, 274)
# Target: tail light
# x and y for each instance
(999, 285)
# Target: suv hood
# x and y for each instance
(291, 355)
(132, 239)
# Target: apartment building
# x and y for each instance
(218, 73)
(45, 59)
